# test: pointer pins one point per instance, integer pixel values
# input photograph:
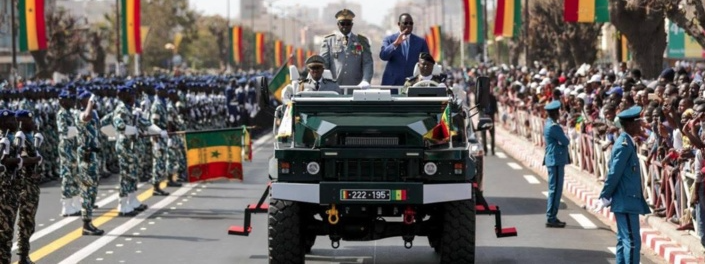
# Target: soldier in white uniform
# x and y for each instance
(347, 55)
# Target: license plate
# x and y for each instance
(365, 194)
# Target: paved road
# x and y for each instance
(190, 226)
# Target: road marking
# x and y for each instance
(75, 234)
(123, 228)
(545, 193)
(583, 221)
(514, 165)
(531, 179)
(501, 155)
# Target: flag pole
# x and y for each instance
(13, 69)
(117, 39)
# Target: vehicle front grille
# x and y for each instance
(368, 169)
(371, 141)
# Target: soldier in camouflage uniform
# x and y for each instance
(175, 155)
(159, 144)
(145, 146)
(124, 122)
(9, 197)
(68, 159)
(87, 161)
(28, 181)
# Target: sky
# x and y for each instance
(373, 11)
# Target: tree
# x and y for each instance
(165, 18)
(451, 49)
(642, 22)
(65, 42)
(97, 38)
(210, 48)
(689, 15)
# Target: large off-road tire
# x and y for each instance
(434, 242)
(458, 235)
(309, 240)
(285, 240)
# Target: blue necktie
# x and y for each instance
(405, 48)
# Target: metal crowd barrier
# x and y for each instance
(666, 189)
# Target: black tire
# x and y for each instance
(433, 241)
(458, 234)
(285, 242)
(309, 241)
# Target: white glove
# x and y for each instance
(6, 146)
(40, 158)
(169, 142)
(38, 140)
(232, 118)
(602, 203)
(163, 134)
(153, 129)
(364, 85)
(73, 132)
(19, 139)
(92, 99)
(130, 130)
(248, 106)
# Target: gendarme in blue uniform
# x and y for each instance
(623, 187)
(555, 159)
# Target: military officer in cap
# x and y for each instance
(555, 159)
(348, 55)
(622, 189)
(425, 66)
(159, 144)
(315, 81)
(68, 159)
(88, 147)
(29, 181)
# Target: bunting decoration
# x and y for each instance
(236, 44)
(32, 32)
(588, 11)
(507, 21)
(473, 32)
(130, 20)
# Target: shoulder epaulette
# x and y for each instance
(410, 78)
(330, 35)
(328, 80)
(363, 39)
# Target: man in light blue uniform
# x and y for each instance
(622, 188)
(555, 159)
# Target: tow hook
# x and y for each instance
(333, 215)
(409, 214)
(408, 241)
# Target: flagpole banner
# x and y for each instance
(682, 45)
(508, 18)
(437, 51)
(236, 44)
(430, 42)
(624, 54)
(300, 58)
(131, 30)
(259, 48)
(473, 32)
(278, 51)
(32, 31)
(587, 11)
(289, 53)
(216, 154)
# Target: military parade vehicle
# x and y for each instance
(373, 164)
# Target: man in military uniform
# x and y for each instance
(28, 180)
(125, 124)
(159, 144)
(622, 189)
(88, 165)
(348, 55)
(425, 65)
(555, 159)
(315, 81)
(175, 145)
(9, 196)
(67, 154)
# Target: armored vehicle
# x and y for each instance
(372, 164)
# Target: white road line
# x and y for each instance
(531, 179)
(123, 228)
(545, 193)
(501, 155)
(514, 165)
(613, 250)
(583, 221)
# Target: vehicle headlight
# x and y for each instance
(430, 168)
(313, 168)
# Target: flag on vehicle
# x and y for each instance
(131, 30)
(32, 32)
(214, 154)
(473, 32)
(285, 128)
(589, 11)
(507, 21)
(443, 130)
(236, 44)
(281, 79)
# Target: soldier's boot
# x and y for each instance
(172, 182)
(135, 203)
(67, 208)
(124, 209)
(158, 191)
(24, 258)
(90, 229)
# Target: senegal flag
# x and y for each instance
(216, 154)
(280, 80)
(443, 130)
(32, 25)
(130, 20)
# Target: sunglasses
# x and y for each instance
(407, 23)
(345, 23)
(316, 67)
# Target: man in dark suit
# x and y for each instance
(401, 51)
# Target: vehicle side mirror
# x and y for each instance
(482, 91)
(262, 91)
(484, 124)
